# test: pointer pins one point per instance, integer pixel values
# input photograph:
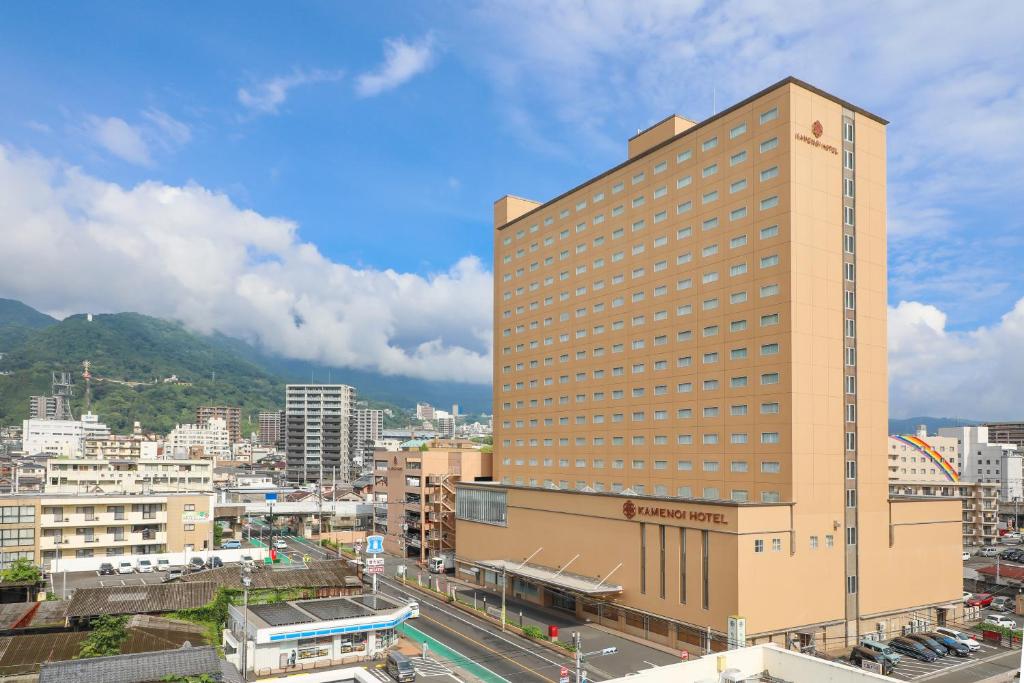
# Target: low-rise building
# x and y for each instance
(980, 505)
(420, 496)
(61, 437)
(134, 475)
(48, 528)
(303, 634)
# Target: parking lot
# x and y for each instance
(911, 669)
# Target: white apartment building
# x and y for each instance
(317, 422)
(134, 476)
(366, 428)
(994, 463)
(212, 437)
(424, 411)
(926, 459)
(61, 437)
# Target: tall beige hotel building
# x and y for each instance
(690, 392)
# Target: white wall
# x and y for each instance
(81, 564)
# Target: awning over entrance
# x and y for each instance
(567, 581)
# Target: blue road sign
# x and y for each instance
(374, 544)
(271, 497)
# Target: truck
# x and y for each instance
(442, 563)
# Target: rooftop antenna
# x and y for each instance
(61, 383)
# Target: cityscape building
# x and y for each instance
(270, 423)
(317, 443)
(135, 475)
(61, 437)
(232, 416)
(691, 374)
(208, 439)
(366, 429)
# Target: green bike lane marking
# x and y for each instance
(456, 658)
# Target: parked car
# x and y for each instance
(1015, 555)
(912, 649)
(999, 620)
(980, 600)
(125, 567)
(861, 654)
(950, 643)
(248, 561)
(400, 668)
(967, 596)
(966, 556)
(106, 569)
(214, 562)
(988, 551)
(1002, 603)
(882, 649)
(171, 575)
(145, 566)
(163, 564)
(196, 564)
(1011, 538)
(233, 544)
(930, 643)
(280, 544)
(960, 637)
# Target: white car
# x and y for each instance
(967, 596)
(999, 620)
(247, 561)
(280, 544)
(960, 637)
(966, 556)
(414, 610)
(163, 565)
(1011, 538)
(125, 567)
(988, 551)
(145, 567)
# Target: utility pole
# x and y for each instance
(577, 642)
(246, 582)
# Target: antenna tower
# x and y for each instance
(62, 392)
(86, 375)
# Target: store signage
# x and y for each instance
(631, 510)
(195, 516)
(375, 569)
(375, 562)
(737, 632)
(816, 129)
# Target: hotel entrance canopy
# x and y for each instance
(554, 578)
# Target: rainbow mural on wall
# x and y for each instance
(921, 446)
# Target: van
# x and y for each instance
(400, 668)
(861, 654)
(233, 544)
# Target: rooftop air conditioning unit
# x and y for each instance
(732, 675)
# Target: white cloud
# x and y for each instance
(190, 254)
(402, 61)
(120, 139)
(976, 373)
(267, 96)
(175, 132)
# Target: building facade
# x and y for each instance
(366, 429)
(420, 495)
(42, 407)
(61, 437)
(691, 379)
(232, 416)
(270, 428)
(317, 442)
(47, 528)
(979, 501)
(1007, 432)
(208, 439)
(130, 476)
(987, 462)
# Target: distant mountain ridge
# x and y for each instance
(132, 356)
(909, 425)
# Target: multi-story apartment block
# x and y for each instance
(365, 430)
(61, 437)
(984, 461)
(47, 528)
(118, 447)
(690, 391)
(232, 416)
(42, 407)
(135, 476)
(271, 422)
(208, 439)
(420, 494)
(424, 411)
(1007, 432)
(317, 431)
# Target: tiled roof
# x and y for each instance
(144, 667)
(150, 599)
(317, 574)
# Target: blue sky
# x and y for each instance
(337, 162)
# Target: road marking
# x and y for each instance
(454, 656)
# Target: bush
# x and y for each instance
(533, 632)
(107, 636)
(21, 571)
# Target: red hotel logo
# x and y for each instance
(631, 510)
(817, 129)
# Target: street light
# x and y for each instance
(246, 582)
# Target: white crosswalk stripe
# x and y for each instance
(430, 667)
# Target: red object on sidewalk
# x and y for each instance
(684, 655)
(273, 555)
(552, 632)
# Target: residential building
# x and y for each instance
(232, 416)
(209, 439)
(922, 458)
(42, 407)
(120, 447)
(691, 396)
(317, 441)
(444, 424)
(46, 528)
(134, 475)
(420, 493)
(979, 501)
(270, 428)
(365, 430)
(305, 634)
(983, 461)
(1007, 432)
(424, 411)
(61, 437)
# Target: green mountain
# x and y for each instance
(132, 356)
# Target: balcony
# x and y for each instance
(103, 518)
(74, 541)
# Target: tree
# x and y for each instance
(200, 678)
(107, 636)
(21, 571)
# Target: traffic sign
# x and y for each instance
(270, 497)
(375, 569)
(375, 562)
(374, 544)
(563, 679)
